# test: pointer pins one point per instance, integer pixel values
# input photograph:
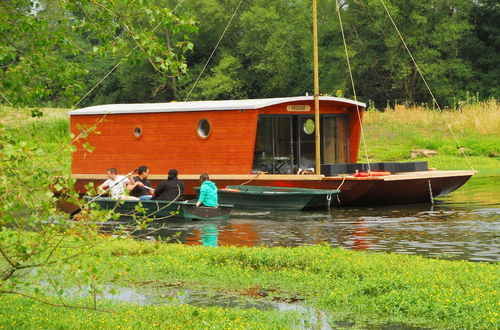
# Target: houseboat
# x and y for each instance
(262, 142)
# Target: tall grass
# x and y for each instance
(482, 118)
(50, 131)
(473, 129)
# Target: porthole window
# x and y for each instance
(309, 126)
(203, 129)
(138, 132)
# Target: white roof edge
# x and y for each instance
(200, 105)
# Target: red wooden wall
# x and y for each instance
(169, 140)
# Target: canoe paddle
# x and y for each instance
(75, 212)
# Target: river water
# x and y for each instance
(462, 225)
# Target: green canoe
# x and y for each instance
(275, 198)
(160, 210)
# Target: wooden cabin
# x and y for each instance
(274, 135)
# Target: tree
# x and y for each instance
(49, 47)
(482, 46)
(432, 31)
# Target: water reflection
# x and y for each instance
(206, 235)
(465, 225)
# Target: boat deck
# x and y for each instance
(298, 177)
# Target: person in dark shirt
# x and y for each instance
(141, 188)
(171, 189)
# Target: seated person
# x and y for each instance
(171, 189)
(116, 184)
(141, 186)
(208, 192)
(298, 170)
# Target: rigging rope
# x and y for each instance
(213, 51)
(426, 84)
(352, 84)
(430, 191)
(244, 183)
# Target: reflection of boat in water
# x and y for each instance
(161, 210)
(275, 198)
(236, 140)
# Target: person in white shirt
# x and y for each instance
(116, 184)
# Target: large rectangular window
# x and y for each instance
(273, 145)
(284, 143)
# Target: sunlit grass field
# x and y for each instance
(463, 138)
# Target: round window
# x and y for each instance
(309, 126)
(137, 132)
(203, 128)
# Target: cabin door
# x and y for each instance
(273, 152)
(335, 140)
(306, 141)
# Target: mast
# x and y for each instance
(316, 88)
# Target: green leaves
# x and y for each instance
(54, 52)
(48, 54)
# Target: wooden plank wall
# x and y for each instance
(169, 140)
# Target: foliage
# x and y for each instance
(50, 48)
(482, 50)
(91, 52)
(432, 30)
(346, 285)
(35, 184)
(224, 83)
(125, 316)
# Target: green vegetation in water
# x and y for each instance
(364, 288)
(22, 313)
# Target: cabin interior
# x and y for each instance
(286, 143)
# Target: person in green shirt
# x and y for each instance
(208, 192)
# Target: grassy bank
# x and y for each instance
(358, 287)
(51, 132)
(392, 134)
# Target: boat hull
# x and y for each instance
(274, 198)
(163, 210)
(401, 188)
